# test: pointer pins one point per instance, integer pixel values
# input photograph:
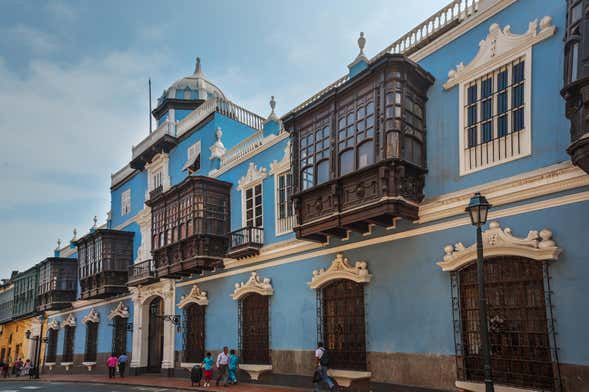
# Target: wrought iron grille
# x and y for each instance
(255, 333)
(518, 325)
(194, 333)
(68, 343)
(51, 345)
(344, 327)
(91, 341)
(119, 335)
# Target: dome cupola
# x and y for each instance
(192, 87)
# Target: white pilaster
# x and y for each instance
(169, 327)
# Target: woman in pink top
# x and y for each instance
(112, 363)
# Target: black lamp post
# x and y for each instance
(478, 209)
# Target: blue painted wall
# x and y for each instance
(549, 125)
(138, 186)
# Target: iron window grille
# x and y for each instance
(193, 331)
(341, 324)
(91, 342)
(68, 343)
(119, 336)
(522, 337)
(254, 329)
(51, 346)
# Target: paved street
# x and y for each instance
(24, 386)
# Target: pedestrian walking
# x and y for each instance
(123, 358)
(26, 368)
(207, 364)
(111, 363)
(222, 362)
(5, 368)
(321, 366)
(17, 367)
(233, 367)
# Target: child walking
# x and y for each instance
(207, 364)
(233, 366)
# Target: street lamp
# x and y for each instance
(478, 209)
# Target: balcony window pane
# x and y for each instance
(322, 171)
(365, 154)
(346, 162)
(307, 179)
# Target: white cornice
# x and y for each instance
(254, 176)
(555, 178)
(254, 285)
(91, 317)
(340, 269)
(501, 242)
(195, 296)
(498, 46)
(121, 310)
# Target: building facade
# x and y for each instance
(343, 220)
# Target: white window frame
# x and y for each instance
(525, 134)
(254, 176)
(126, 202)
(159, 164)
(191, 153)
(244, 203)
(281, 168)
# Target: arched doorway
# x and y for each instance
(518, 323)
(344, 324)
(156, 335)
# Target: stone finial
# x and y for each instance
(272, 103)
(361, 43)
(75, 234)
(58, 244)
(272, 116)
(197, 67)
(218, 134)
(95, 220)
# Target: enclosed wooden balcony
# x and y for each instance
(104, 258)
(190, 222)
(359, 151)
(142, 273)
(58, 278)
(245, 242)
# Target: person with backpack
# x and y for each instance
(321, 366)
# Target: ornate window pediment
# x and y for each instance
(500, 45)
(53, 324)
(91, 317)
(70, 321)
(195, 296)
(277, 167)
(254, 285)
(500, 242)
(340, 269)
(254, 176)
(121, 310)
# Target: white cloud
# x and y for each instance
(37, 41)
(61, 10)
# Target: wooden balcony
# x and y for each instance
(189, 226)
(58, 283)
(142, 273)
(245, 242)
(104, 258)
(375, 195)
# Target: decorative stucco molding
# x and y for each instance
(500, 242)
(253, 176)
(70, 321)
(500, 45)
(164, 289)
(277, 167)
(254, 285)
(53, 324)
(91, 317)
(195, 296)
(121, 310)
(217, 149)
(340, 269)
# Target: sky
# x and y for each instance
(74, 96)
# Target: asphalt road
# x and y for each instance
(36, 386)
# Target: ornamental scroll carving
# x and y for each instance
(341, 269)
(70, 321)
(121, 310)
(195, 296)
(253, 176)
(501, 242)
(499, 46)
(53, 324)
(91, 317)
(254, 285)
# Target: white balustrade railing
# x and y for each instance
(242, 149)
(196, 116)
(120, 175)
(452, 14)
(165, 128)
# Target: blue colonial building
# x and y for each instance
(343, 220)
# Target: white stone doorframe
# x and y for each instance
(142, 297)
(35, 332)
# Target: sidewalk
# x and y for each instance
(156, 381)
